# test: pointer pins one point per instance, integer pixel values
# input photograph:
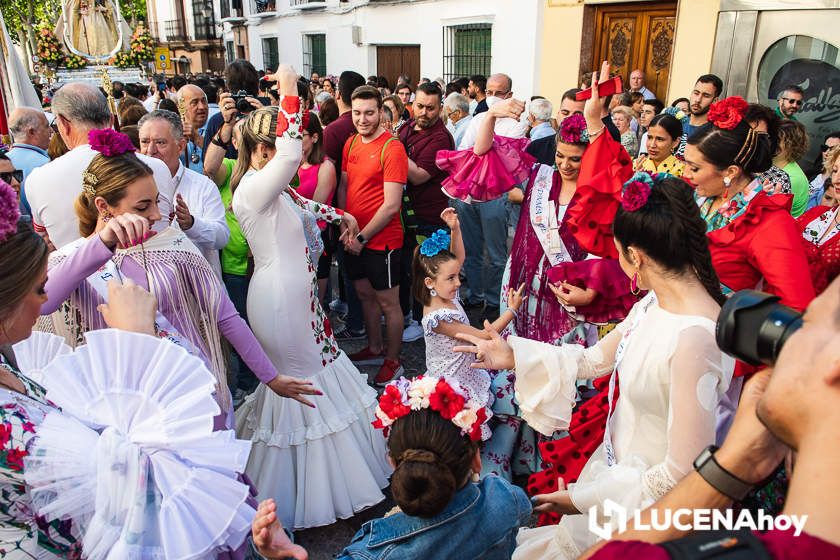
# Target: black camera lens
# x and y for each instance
(243, 106)
(753, 327)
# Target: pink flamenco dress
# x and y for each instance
(481, 178)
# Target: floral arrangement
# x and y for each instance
(123, 59)
(443, 395)
(573, 130)
(74, 61)
(728, 113)
(439, 241)
(9, 211)
(142, 45)
(109, 142)
(49, 49)
(636, 191)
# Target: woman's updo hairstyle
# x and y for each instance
(259, 128)
(433, 460)
(107, 175)
(728, 139)
(670, 123)
(668, 228)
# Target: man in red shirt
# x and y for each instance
(374, 173)
(797, 406)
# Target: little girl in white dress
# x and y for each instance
(437, 266)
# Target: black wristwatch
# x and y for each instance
(218, 141)
(721, 479)
(361, 238)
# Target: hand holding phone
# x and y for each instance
(610, 87)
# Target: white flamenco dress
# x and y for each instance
(130, 456)
(671, 376)
(319, 463)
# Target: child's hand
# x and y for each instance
(570, 295)
(514, 297)
(450, 218)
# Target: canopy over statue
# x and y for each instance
(93, 29)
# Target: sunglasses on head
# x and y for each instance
(7, 176)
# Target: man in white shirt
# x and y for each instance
(52, 189)
(484, 224)
(637, 83)
(457, 109)
(199, 211)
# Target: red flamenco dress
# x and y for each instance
(821, 237)
(605, 167)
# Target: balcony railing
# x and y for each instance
(175, 30)
(308, 3)
(263, 6)
(205, 21)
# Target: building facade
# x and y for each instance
(190, 29)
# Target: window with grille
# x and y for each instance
(271, 54)
(466, 50)
(314, 54)
(229, 51)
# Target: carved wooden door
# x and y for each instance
(639, 36)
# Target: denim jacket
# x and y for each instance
(481, 521)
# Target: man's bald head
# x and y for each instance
(499, 85)
(30, 126)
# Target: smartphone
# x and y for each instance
(609, 87)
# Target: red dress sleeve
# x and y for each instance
(606, 166)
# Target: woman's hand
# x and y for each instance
(349, 227)
(593, 109)
(639, 164)
(125, 230)
(491, 352)
(271, 540)
(514, 298)
(555, 502)
(570, 295)
(129, 308)
(286, 79)
(293, 388)
(450, 218)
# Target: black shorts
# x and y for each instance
(381, 268)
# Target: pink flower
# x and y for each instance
(635, 196)
(109, 142)
(9, 211)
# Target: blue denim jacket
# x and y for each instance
(481, 521)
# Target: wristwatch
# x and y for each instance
(721, 479)
(361, 238)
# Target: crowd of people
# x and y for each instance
(178, 279)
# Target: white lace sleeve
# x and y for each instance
(699, 374)
(433, 319)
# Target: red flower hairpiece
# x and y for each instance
(728, 113)
(635, 195)
(573, 130)
(109, 142)
(9, 211)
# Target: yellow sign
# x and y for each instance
(162, 59)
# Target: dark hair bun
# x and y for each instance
(422, 484)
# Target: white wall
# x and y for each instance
(515, 36)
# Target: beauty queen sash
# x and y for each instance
(646, 303)
(109, 271)
(545, 219)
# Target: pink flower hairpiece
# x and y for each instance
(573, 130)
(636, 191)
(9, 211)
(109, 142)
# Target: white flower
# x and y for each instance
(419, 392)
(384, 418)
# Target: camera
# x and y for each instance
(753, 327)
(242, 104)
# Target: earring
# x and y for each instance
(106, 216)
(726, 182)
(475, 477)
(634, 284)
(432, 292)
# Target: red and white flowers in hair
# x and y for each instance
(728, 113)
(442, 394)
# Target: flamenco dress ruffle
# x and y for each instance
(474, 178)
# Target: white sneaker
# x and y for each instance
(412, 332)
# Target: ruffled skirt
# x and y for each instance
(318, 464)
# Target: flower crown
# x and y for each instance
(9, 211)
(437, 242)
(573, 130)
(728, 113)
(443, 395)
(675, 112)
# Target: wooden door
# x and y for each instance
(391, 61)
(639, 36)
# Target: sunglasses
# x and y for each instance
(793, 101)
(7, 176)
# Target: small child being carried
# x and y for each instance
(436, 269)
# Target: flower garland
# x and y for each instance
(441, 394)
(437, 242)
(74, 61)
(728, 113)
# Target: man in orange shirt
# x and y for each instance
(374, 172)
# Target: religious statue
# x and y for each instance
(91, 28)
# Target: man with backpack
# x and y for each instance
(374, 173)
